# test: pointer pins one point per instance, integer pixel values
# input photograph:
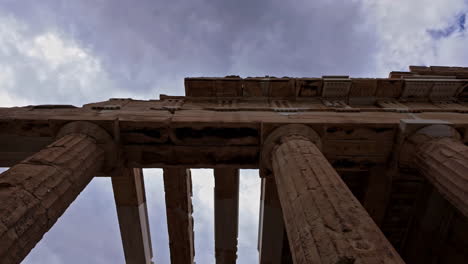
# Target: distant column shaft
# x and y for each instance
(178, 191)
(271, 227)
(132, 211)
(324, 221)
(226, 204)
(36, 192)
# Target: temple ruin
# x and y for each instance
(353, 170)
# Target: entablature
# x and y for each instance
(223, 121)
(357, 91)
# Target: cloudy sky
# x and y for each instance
(75, 52)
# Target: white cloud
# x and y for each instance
(203, 214)
(8, 100)
(7, 83)
(47, 67)
(155, 200)
(52, 50)
(249, 208)
(403, 34)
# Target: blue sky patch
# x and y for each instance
(461, 22)
(457, 26)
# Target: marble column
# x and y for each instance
(38, 190)
(438, 153)
(226, 210)
(132, 211)
(325, 223)
(178, 192)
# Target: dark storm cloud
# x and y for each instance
(149, 46)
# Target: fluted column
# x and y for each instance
(271, 241)
(226, 206)
(438, 153)
(179, 210)
(325, 223)
(132, 211)
(37, 191)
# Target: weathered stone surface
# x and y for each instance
(324, 221)
(379, 186)
(206, 138)
(445, 163)
(36, 192)
(178, 190)
(130, 200)
(430, 228)
(438, 153)
(223, 123)
(226, 202)
(453, 249)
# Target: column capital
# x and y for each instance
(422, 136)
(283, 134)
(102, 138)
